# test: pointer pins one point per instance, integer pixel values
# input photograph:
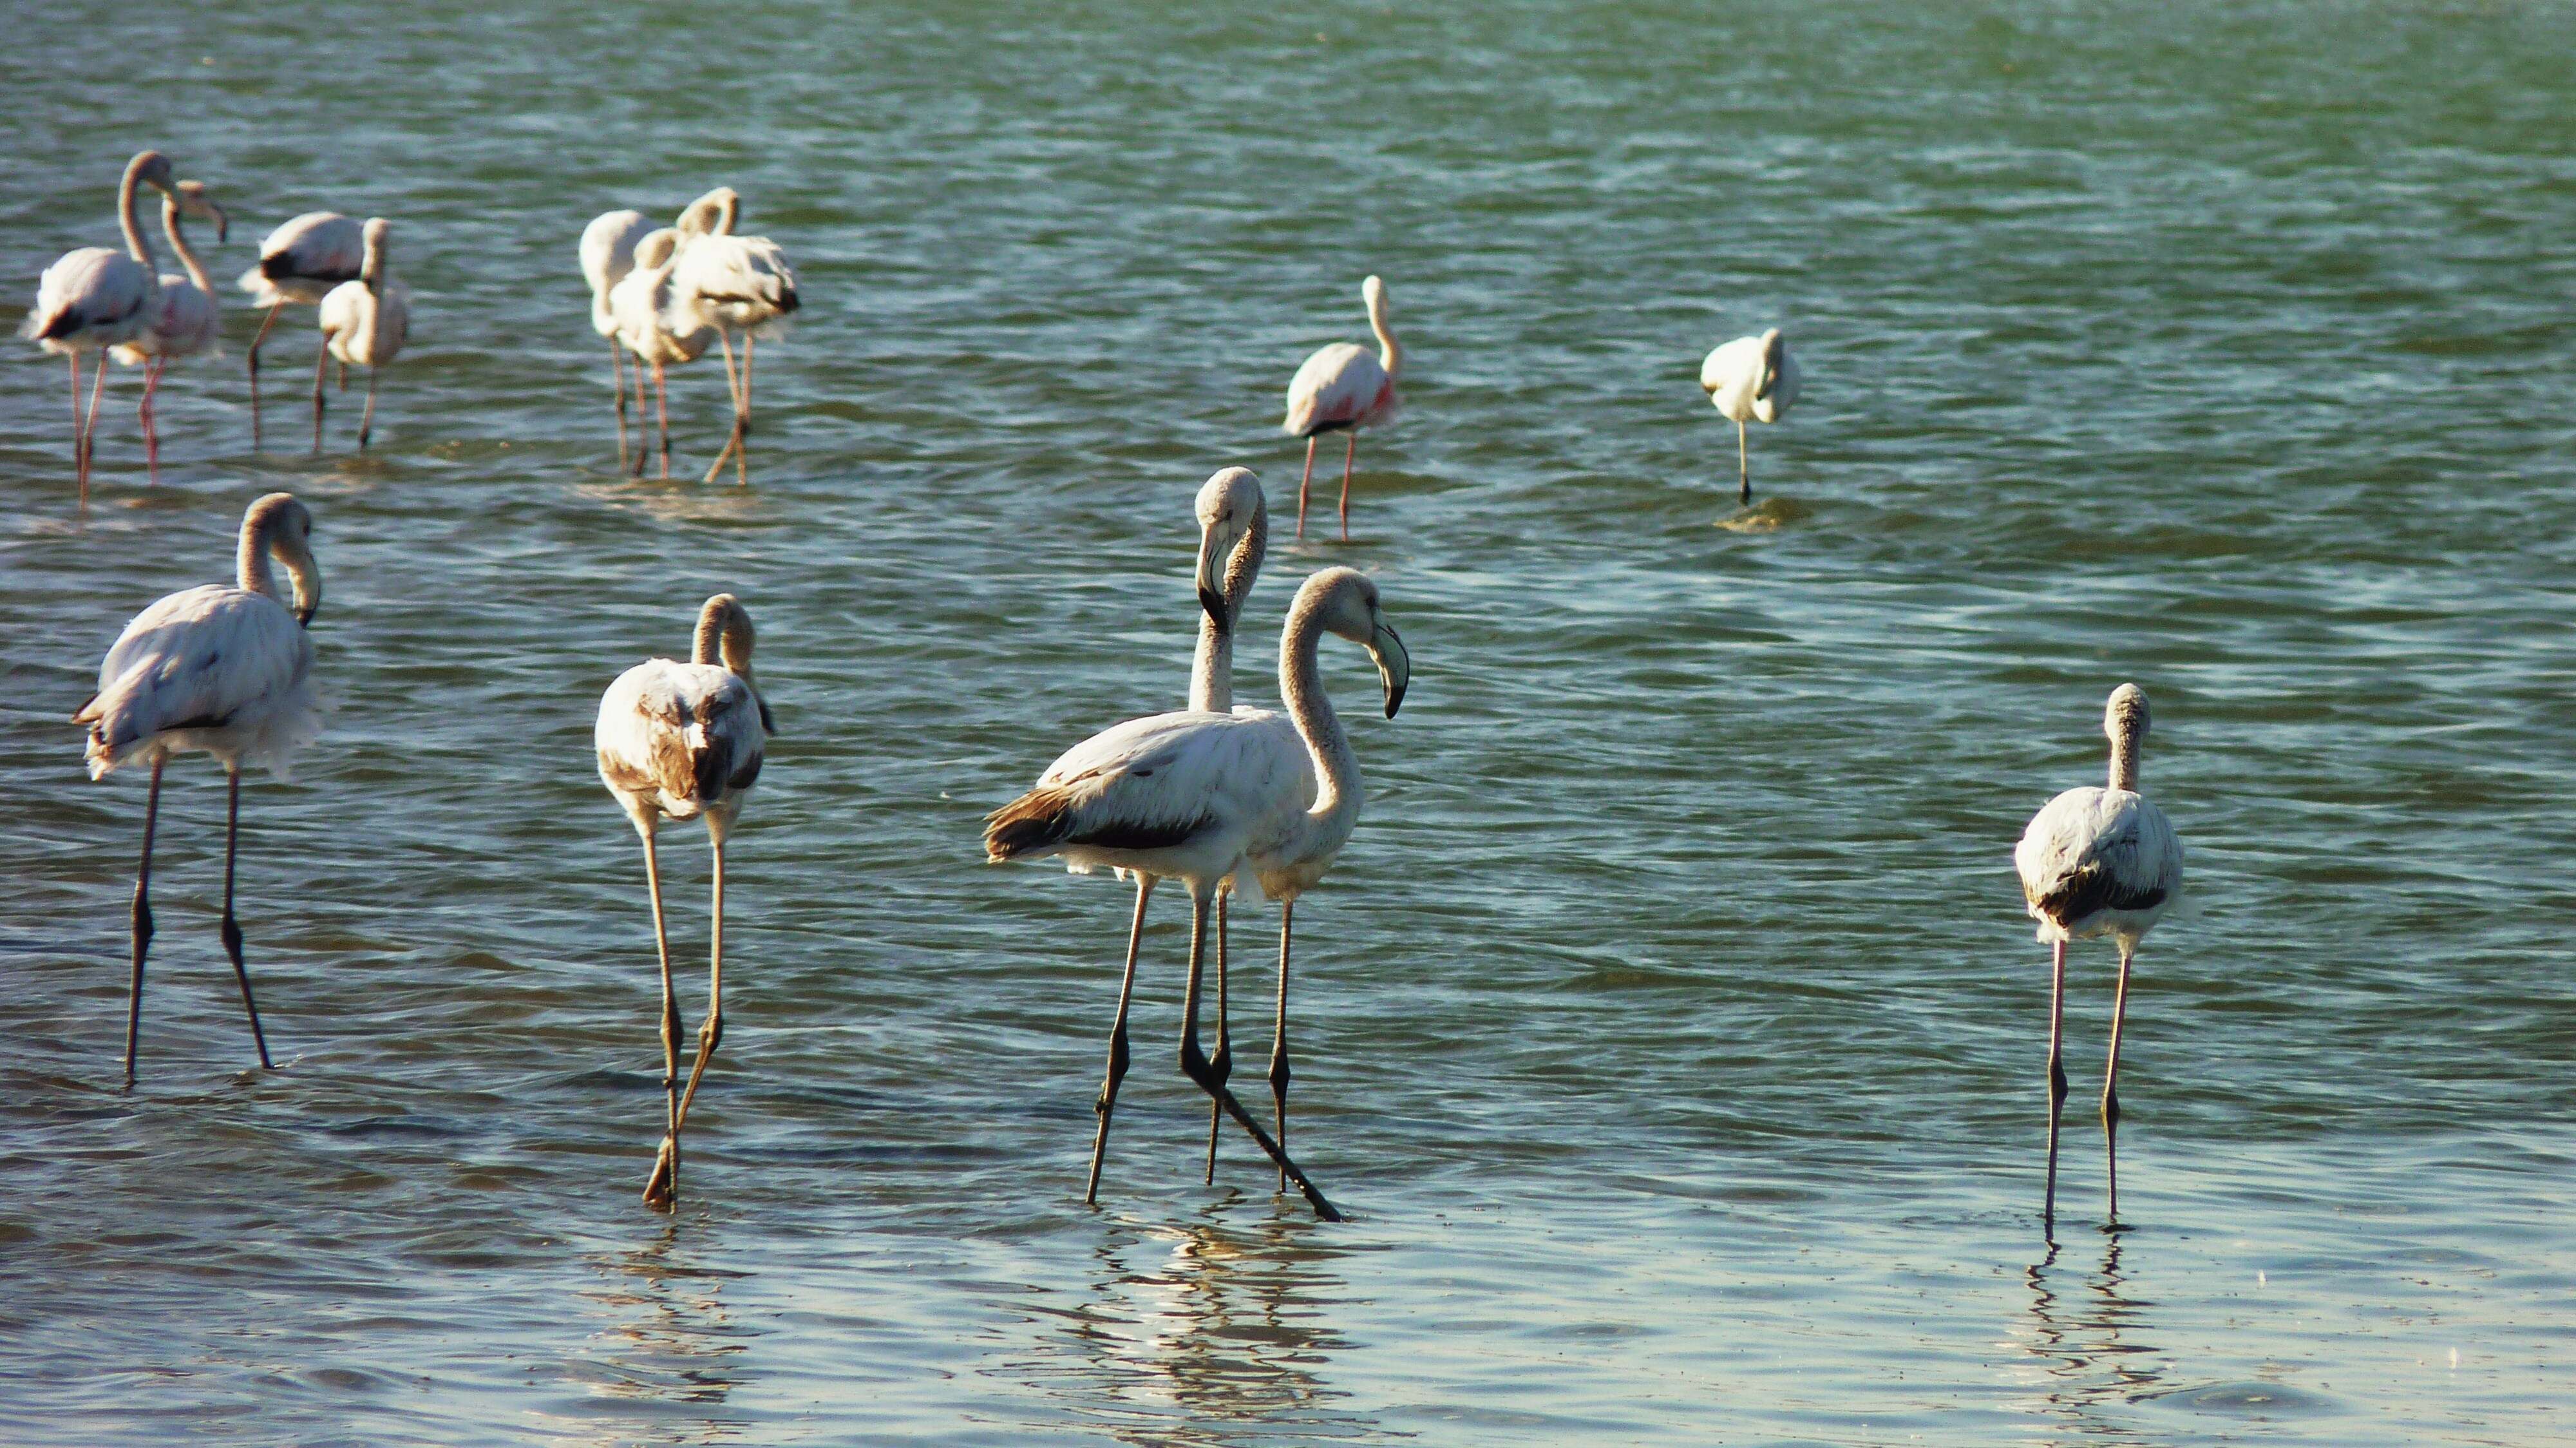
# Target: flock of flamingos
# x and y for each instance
(1209, 795)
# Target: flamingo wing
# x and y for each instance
(195, 660)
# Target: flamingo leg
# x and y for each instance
(321, 365)
(1279, 1036)
(1223, 1066)
(142, 918)
(1195, 1064)
(2056, 1080)
(2111, 1084)
(662, 409)
(344, 376)
(80, 434)
(711, 1030)
(150, 419)
(733, 386)
(89, 427)
(1743, 469)
(643, 414)
(265, 323)
(617, 390)
(747, 339)
(232, 927)
(1117, 1071)
(1307, 478)
(666, 1163)
(367, 419)
(1349, 456)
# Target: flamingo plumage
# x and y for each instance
(1751, 379)
(1341, 388)
(607, 255)
(224, 670)
(681, 741)
(184, 320)
(300, 263)
(649, 326)
(92, 299)
(364, 324)
(2093, 862)
(733, 284)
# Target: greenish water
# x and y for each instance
(1670, 1028)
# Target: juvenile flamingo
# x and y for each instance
(93, 299)
(607, 255)
(650, 328)
(731, 283)
(184, 320)
(300, 262)
(1341, 388)
(1191, 796)
(2098, 862)
(680, 741)
(225, 670)
(1751, 379)
(364, 323)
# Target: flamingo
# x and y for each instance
(185, 320)
(1341, 388)
(2098, 862)
(364, 323)
(225, 670)
(683, 741)
(1193, 796)
(649, 327)
(607, 255)
(301, 262)
(1751, 379)
(731, 283)
(93, 299)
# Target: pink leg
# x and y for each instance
(151, 420)
(662, 408)
(643, 414)
(617, 389)
(1301, 486)
(80, 443)
(89, 428)
(1348, 457)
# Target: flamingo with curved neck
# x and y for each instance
(92, 299)
(1341, 388)
(185, 319)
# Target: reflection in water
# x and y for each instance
(669, 1354)
(2088, 1343)
(1203, 1332)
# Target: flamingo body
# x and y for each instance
(680, 740)
(90, 299)
(1751, 379)
(305, 257)
(2098, 861)
(1340, 386)
(607, 255)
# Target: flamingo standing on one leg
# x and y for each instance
(1751, 379)
(683, 741)
(1341, 388)
(652, 329)
(225, 670)
(732, 283)
(364, 323)
(185, 320)
(2098, 862)
(607, 255)
(93, 299)
(1189, 796)
(301, 262)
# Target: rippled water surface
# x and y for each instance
(1670, 1028)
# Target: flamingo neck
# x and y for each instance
(2124, 760)
(372, 271)
(250, 564)
(135, 245)
(1390, 353)
(179, 247)
(1337, 769)
(1212, 667)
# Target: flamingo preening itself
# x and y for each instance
(300, 263)
(1751, 379)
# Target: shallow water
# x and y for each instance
(1670, 1028)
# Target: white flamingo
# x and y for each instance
(607, 255)
(301, 262)
(1341, 388)
(185, 320)
(654, 331)
(1193, 796)
(1751, 379)
(93, 299)
(225, 670)
(731, 283)
(676, 742)
(2098, 862)
(364, 323)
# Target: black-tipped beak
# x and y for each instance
(223, 226)
(304, 615)
(1394, 666)
(1214, 603)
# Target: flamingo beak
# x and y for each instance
(223, 223)
(1211, 580)
(1394, 665)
